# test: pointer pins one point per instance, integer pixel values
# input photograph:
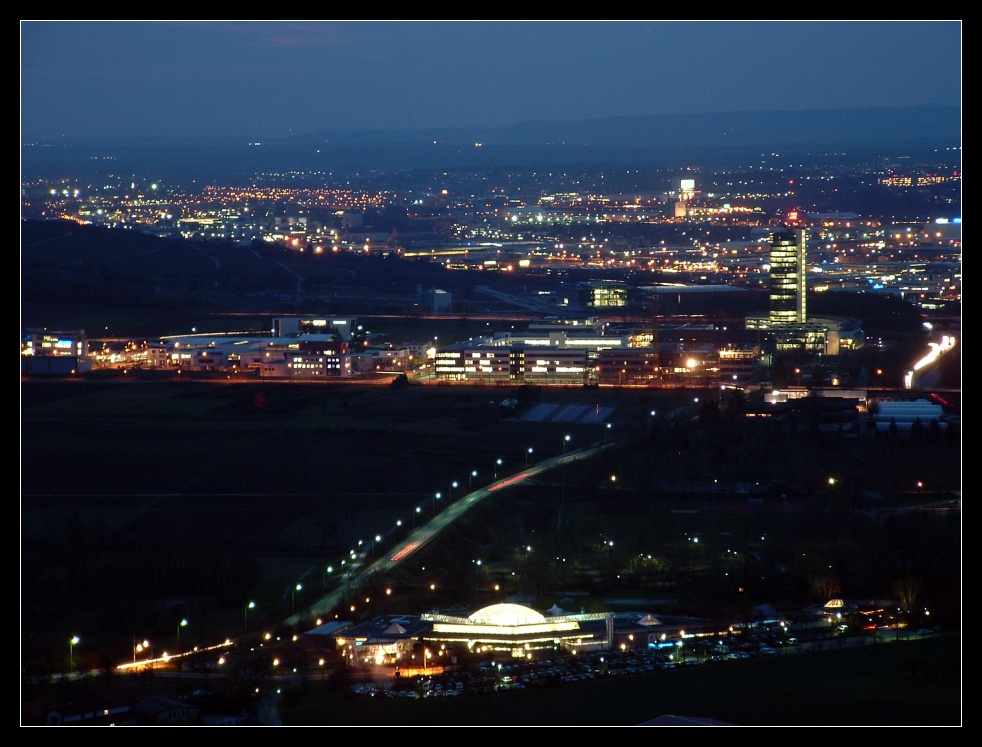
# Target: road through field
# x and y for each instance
(423, 534)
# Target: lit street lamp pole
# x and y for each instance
(250, 606)
(527, 455)
(496, 465)
(435, 499)
(562, 498)
(182, 624)
(470, 480)
(71, 652)
(293, 597)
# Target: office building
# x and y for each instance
(788, 277)
(787, 318)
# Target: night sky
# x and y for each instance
(256, 79)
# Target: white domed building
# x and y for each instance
(513, 628)
(520, 629)
(434, 639)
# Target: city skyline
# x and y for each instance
(711, 453)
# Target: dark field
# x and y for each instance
(908, 683)
(916, 683)
(146, 502)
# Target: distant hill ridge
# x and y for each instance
(663, 139)
(712, 129)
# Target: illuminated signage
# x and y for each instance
(506, 630)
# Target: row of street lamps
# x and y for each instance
(470, 487)
(417, 510)
(144, 646)
(139, 647)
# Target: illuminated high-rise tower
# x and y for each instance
(788, 276)
(686, 191)
(787, 317)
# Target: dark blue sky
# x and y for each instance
(256, 79)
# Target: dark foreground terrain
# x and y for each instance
(904, 683)
(144, 503)
(915, 683)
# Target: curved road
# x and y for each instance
(419, 538)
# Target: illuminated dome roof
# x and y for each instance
(506, 614)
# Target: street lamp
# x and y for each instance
(71, 652)
(566, 440)
(293, 597)
(453, 486)
(496, 465)
(527, 455)
(435, 499)
(417, 511)
(182, 624)
(250, 606)
(470, 480)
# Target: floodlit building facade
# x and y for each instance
(45, 352)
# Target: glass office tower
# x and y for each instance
(788, 276)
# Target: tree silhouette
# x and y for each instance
(907, 590)
(917, 431)
(826, 586)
